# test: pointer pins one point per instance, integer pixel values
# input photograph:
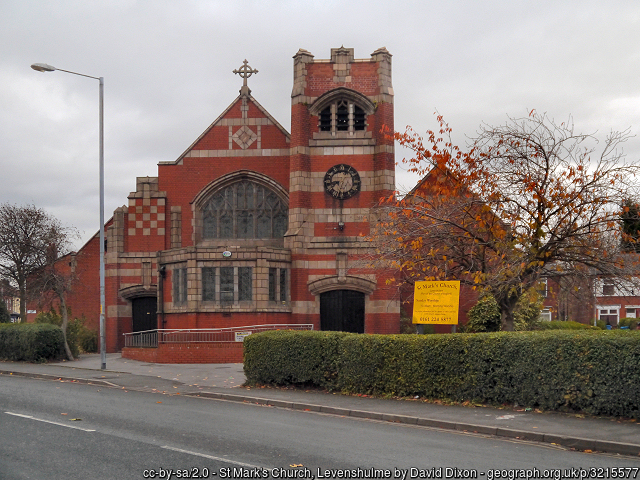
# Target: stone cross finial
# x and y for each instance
(245, 72)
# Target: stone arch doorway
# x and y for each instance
(342, 310)
(144, 313)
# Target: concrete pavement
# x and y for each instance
(225, 382)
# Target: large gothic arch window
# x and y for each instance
(244, 209)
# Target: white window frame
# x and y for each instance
(609, 309)
(544, 293)
(545, 314)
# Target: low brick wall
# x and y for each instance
(214, 352)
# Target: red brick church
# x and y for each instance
(255, 225)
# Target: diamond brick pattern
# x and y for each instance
(244, 137)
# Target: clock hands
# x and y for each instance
(342, 181)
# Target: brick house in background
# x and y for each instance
(613, 302)
(567, 298)
(253, 224)
(587, 298)
(11, 301)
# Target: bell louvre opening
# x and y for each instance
(358, 118)
(325, 119)
(342, 117)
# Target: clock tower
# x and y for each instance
(342, 163)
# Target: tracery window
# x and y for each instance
(244, 209)
(209, 284)
(179, 286)
(278, 285)
(226, 285)
(342, 116)
(220, 284)
(245, 275)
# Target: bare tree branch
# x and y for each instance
(528, 198)
(31, 242)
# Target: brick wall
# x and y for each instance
(330, 242)
(161, 224)
(84, 296)
(215, 352)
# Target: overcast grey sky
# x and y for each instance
(168, 65)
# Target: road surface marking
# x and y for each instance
(49, 421)
(211, 457)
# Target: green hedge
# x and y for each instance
(31, 342)
(562, 325)
(632, 323)
(286, 357)
(79, 338)
(596, 372)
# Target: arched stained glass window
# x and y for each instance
(244, 209)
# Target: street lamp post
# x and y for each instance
(43, 67)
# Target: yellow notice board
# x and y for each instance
(436, 302)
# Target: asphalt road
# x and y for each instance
(56, 430)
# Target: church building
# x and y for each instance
(253, 224)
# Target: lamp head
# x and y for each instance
(43, 67)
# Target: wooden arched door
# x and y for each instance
(144, 313)
(342, 310)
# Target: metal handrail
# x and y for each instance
(151, 338)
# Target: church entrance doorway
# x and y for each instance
(143, 311)
(342, 310)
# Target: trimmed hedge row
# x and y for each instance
(596, 372)
(562, 325)
(31, 342)
(283, 357)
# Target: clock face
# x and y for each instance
(342, 181)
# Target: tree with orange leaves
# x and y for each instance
(529, 198)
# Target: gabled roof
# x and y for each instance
(221, 117)
(434, 175)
